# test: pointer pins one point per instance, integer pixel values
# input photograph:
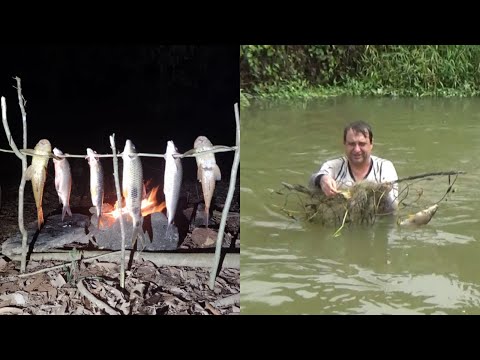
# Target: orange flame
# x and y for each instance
(149, 206)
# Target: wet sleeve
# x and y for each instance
(389, 173)
(328, 168)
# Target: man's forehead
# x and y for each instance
(356, 134)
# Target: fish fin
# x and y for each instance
(40, 217)
(207, 212)
(144, 192)
(29, 173)
(137, 233)
(217, 173)
(199, 174)
(66, 210)
(178, 164)
(57, 182)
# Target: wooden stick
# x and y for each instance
(226, 208)
(21, 188)
(429, 174)
(22, 102)
(201, 260)
(189, 153)
(119, 201)
(230, 300)
(83, 290)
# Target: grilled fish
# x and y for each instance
(63, 182)
(132, 187)
(208, 171)
(37, 173)
(172, 181)
(96, 182)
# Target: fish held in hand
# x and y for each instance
(208, 171)
(63, 182)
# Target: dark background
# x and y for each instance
(77, 96)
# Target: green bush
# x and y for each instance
(293, 71)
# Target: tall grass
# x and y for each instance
(292, 71)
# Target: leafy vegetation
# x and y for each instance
(311, 71)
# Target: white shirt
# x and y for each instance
(381, 170)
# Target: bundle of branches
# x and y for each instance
(360, 204)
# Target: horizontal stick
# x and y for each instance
(159, 259)
(189, 153)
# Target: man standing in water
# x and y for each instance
(358, 164)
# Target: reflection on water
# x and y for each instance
(292, 267)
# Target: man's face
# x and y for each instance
(357, 147)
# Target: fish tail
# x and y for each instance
(40, 217)
(99, 216)
(66, 210)
(137, 233)
(207, 212)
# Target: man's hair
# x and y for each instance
(359, 126)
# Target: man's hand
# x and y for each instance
(328, 185)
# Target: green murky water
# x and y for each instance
(290, 267)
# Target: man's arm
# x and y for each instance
(389, 174)
(326, 169)
(324, 178)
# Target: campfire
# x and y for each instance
(150, 205)
(108, 234)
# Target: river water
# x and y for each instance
(294, 267)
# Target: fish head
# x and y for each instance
(171, 148)
(44, 145)
(57, 152)
(129, 148)
(432, 209)
(201, 142)
(91, 155)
